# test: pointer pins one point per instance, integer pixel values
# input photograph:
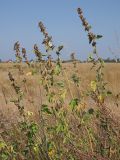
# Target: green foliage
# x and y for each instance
(57, 69)
(74, 103)
(75, 79)
(45, 109)
(62, 129)
(99, 36)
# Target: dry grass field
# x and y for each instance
(31, 89)
(77, 132)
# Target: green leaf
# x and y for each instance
(91, 111)
(5, 156)
(60, 84)
(87, 116)
(60, 48)
(99, 36)
(2, 145)
(93, 85)
(75, 79)
(44, 54)
(45, 109)
(74, 103)
(51, 97)
(90, 58)
(60, 128)
(57, 69)
(109, 93)
(63, 94)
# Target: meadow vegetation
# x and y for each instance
(59, 111)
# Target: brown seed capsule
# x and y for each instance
(79, 10)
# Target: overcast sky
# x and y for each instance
(19, 22)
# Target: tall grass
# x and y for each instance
(66, 126)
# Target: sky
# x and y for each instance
(19, 22)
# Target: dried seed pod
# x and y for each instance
(17, 50)
(84, 22)
(37, 53)
(47, 41)
(24, 52)
(72, 56)
(11, 77)
(25, 56)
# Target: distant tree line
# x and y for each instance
(112, 60)
(107, 60)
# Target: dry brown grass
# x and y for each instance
(31, 89)
(35, 96)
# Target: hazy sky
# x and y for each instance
(19, 22)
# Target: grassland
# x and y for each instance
(59, 111)
(111, 71)
(35, 96)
